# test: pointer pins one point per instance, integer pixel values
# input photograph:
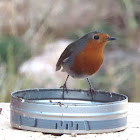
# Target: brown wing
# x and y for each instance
(71, 48)
(66, 53)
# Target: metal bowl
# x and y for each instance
(44, 110)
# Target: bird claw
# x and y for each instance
(90, 92)
(64, 89)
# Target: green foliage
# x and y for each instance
(12, 53)
(10, 82)
(13, 47)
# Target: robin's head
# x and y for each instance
(98, 40)
(101, 37)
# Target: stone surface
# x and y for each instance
(132, 132)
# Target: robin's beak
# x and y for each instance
(110, 38)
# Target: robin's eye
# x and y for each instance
(96, 37)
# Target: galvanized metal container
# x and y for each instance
(44, 110)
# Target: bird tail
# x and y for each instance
(58, 67)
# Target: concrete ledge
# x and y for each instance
(8, 133)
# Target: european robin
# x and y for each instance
(83, 57)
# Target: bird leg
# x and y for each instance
(91, 90)
(65, 87)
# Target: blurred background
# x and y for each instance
(33, 34)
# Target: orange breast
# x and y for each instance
(89, 60)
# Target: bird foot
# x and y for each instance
(64, 89)
(91, 91)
